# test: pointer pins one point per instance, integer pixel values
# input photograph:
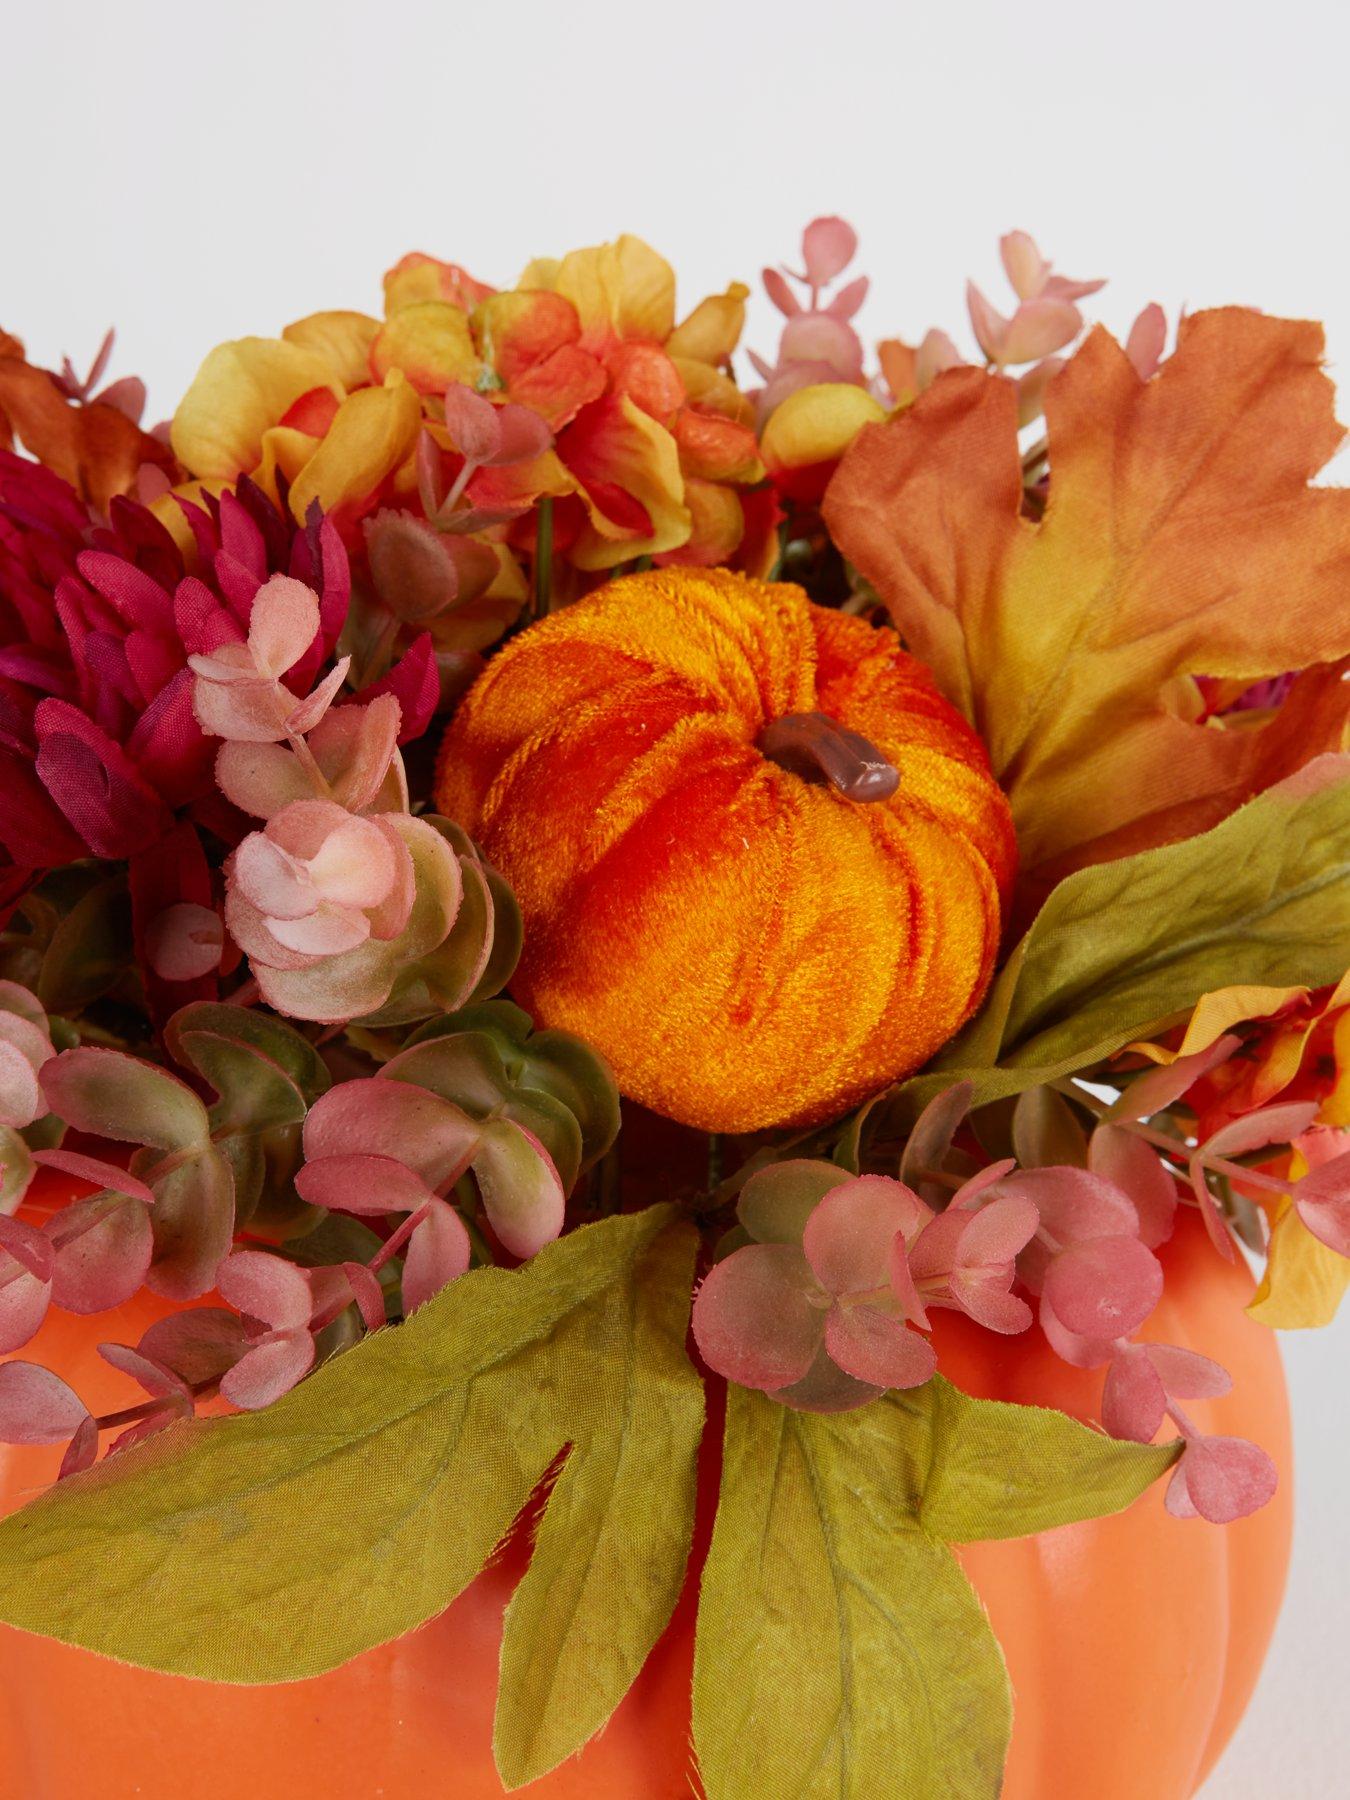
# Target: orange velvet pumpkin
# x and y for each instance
(1133, 1642)
(747, 946)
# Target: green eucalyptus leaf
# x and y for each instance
(192, 1219)
(1124, 948)
(555, 1127)
(256, 1094)
(110, 1094)
(841, 1653)
(462, 1066)
(336, 1238)
(16, 1168)
(487, 1059)
(502, 1020)
(477, 954)
(243, 1150)
(776, 1202)
(359, 1505)
(254, 1029)
(508, 936)
(565, 1066)
(90, 949)
(1046, 1132)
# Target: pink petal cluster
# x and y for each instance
(1218, 1478)
(239, 692)
(283, 1307)
(96, 1251)
(1046, 318)
(836, 1295)
(316, 881)
(1096, 1278)
(334, 872)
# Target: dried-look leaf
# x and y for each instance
(1181, 538)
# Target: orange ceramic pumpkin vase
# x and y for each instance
(717, 893)
(1133, 1642)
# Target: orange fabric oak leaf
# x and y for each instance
(1181, 539)
(747, 946)
(92, 445)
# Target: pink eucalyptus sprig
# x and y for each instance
(343, 892)
(819, 1308)
(818, 341)
(1218, 1478)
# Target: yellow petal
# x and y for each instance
(170, 514)
(374, 432)
(1336, 1104)
(710, 388)
(540, 272)
(241, 389)
(717, 523)
(817, 424)
(713, 330)
(417, 277)
(342, 339)
(1304, 1279)
(428, 342)
(509, 582)
(286, 451)
(625, 286)
(1215, 1013)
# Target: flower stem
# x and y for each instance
(543, 560)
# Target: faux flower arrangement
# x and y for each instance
(905, 808)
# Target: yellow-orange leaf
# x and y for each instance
(1181, 538)
(1304, 1281)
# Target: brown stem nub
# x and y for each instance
(820, 749)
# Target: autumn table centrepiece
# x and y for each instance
(647, 1025)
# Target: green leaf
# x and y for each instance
(604, 1578)
(487, 1049)
(1046, 1133)
(192, 1219)
(275, 1545)
(486, 1059)
(991, 1470)
(16, 1168)
(841, 1653)
(110, 1094)
(256, 1094)
(1122, 949)
(89, 950)
(261, 1031)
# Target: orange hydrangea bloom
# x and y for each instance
(654, 443)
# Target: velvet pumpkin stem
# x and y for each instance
(818, 749)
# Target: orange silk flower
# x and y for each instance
(745, 945)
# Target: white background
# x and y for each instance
(192, 173)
